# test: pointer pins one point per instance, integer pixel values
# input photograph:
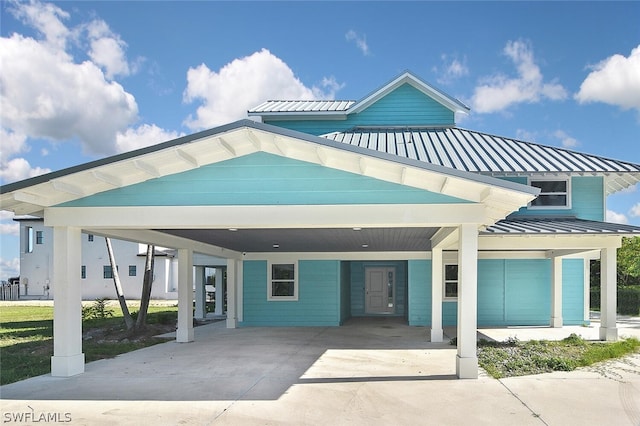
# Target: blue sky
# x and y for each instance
(84, 80)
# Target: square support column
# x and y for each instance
(201, 295)
(608, 295)
(232, 286)
(184, 333)
(67, 359)
(556, 292)
(467, 358)
(220, 290)
(436, 295)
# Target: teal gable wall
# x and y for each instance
(262, 179)
(587, 199)
(318, 302)
(405, 106)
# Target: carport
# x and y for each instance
(146, 196)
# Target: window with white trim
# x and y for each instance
(450, 290)
(283, 281)
(554, 193)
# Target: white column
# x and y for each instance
(556, 292)
(436, 295)
(220, 285)
(467, 358)
(201, 295)
(232, 285)
(608, 288)
(67, 359)
(184, 333)
(587, 289)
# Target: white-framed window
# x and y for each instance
(282, 282)
(39, 237)
(90, 238)
(450, 284)
(554, 193)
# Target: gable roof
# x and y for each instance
(483, 153)
(343, 108)
(245, 137)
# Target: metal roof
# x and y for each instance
(303, 106)
(474, 151)
(330, 107)
(558, 226)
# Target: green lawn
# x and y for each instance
(26, 338)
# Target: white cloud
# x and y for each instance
(10, 229)
(616, 217)
(107, 49)
(142, 136)
(244, 83)
(635, 210)
(12, 143)
(615, 81)
(566, 140)
(19, 169)
(452, 68)
(499, 92)
(359, 40)
(45, 93)
(9, 267)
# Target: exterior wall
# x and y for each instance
(405, 106)
(262, 179)
(358, 286)
(345, 291)
(510, 292)
(587, 199)
(36, 268)
(318, 301)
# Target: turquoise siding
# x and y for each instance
(419, 278)
(318, 303)
(573, 291)
(587, 199)
(345, 291)
(510, 292)
(405, 106)
(262, 179)
(358, 286)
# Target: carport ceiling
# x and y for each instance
(312, 240)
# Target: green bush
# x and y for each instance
(628, 299)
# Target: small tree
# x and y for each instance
(629, 261)
(128, 320)
(146, 287)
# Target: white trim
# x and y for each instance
(569, 196)
(446, 298)
(270, 280)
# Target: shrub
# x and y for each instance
(97, 310)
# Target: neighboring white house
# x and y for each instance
(36, 265)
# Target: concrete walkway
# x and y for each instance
(364, 373)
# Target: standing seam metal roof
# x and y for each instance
(556, 226)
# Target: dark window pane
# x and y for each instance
(550, 200)
(282, 289)
(451, 290)
(451, 272)
(550, 185)
(282, 272)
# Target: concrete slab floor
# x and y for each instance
(366, 372)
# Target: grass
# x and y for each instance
(515, 358)
(26, 338)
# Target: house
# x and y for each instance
(36, 266)
(326, 210)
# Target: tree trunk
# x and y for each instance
(146, 287)
(128, 320)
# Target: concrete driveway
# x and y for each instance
(368, 372)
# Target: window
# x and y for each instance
(283, 283)
(553, 193)
(132, 270)
(450, 281)
(107, 271)
(39, 237)
(28, 243)
(90, 238)
(83, 272)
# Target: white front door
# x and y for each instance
(380, 286)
